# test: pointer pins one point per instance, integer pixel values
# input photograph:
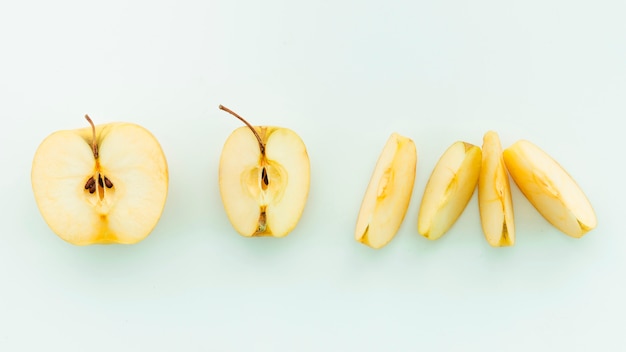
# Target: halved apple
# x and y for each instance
(494, 195)
(550, 189)
(388, 194)
(104, 184)
(449, 189)
(264, 177)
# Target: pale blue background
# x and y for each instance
(344, 75)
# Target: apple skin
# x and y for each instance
(132, 159)
(255, 209)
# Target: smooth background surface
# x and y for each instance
(344, 75)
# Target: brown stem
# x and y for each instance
(94, 145)
(258, 138)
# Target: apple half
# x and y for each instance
(264, 177)
(550, 189)
(449, 189)
(494, 195)
(388, 194)
(100, 185)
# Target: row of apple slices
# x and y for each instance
(463, 166)
(109, 184)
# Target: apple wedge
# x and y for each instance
(100, 185)
(264, 177)
(388, 194)
(449, 189)
(550, 189)
(494, 195)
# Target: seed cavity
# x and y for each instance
(385, 181)
(103, 181)
(265, 180)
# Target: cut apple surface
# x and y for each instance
(494, 195)
(550, 189)
(388, 194)
(99, 185)
(449, 189)
(264, 177)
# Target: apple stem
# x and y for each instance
(256, 134)
(94, 145)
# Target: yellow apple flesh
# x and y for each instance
(264, 192)
(449, 189)
(116, 196)
(550, 189)
(388, 194)
(494, 195)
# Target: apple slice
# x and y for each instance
(449, 189)
(550, 189)
(99, 185)
(264, 177)
(494, 195)
(388, 194)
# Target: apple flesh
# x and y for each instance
(264, 177)
(449, 189)
(388, 194)
(550, 189)
(100, 185)
(494, 195)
